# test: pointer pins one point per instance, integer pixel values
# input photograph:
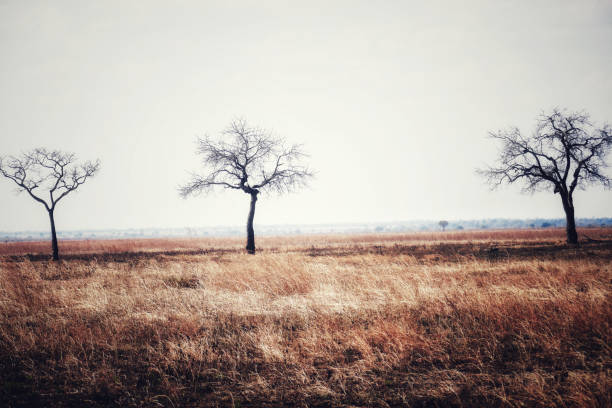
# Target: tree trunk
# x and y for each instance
(570, 222)
(250, 247)
(53, 237)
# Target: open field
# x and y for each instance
(471, 318)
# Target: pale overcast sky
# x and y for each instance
(393, 100)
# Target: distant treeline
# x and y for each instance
(501, 223)
(346, 228)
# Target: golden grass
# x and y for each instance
(385, 320)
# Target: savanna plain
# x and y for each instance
(509, 318)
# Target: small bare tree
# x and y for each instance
(565, 152)
(443, 224)
(51, 172)
(250, 160)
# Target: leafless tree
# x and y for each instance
(40, 172)
(565, 152)
(443, 224)
(251, 160)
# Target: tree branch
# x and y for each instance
(41, 168)
(251, 160)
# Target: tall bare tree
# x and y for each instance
(251, 160)
(42, 172)
(565, 152)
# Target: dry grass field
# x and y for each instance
(456, 319)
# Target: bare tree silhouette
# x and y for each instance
(565, 152)
(50, 172)
(250, 160)
(443, 224)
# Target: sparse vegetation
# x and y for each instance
(482, 318)
(564, 152)
(252, 162)
(47, 176)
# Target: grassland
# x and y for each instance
(484, 318)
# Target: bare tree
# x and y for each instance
(565, 152)
(251, 160)
(443, 224)
(51, 172)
